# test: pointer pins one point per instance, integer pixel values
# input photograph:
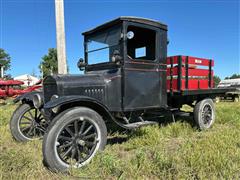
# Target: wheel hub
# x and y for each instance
(81, 142)
(35, 124)
(207, 114)
(77, 140)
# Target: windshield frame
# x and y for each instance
(118, 38)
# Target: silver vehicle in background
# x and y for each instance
(231, 95)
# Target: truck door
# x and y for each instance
(143, 84)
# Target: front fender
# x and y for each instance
(70, 99)
(82, 101)
(28, 97)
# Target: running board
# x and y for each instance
(139, 124)
(183, 114)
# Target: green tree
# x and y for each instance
(234, 76)
(48, 65)
(5, 59)
(8, 77)
(216, 80)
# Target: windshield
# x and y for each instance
(100, 47)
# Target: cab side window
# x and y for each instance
(141, 43)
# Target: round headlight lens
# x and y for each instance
(54, 97)
(37, 101)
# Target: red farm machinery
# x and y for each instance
(12, 88)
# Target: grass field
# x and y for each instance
(170, 151)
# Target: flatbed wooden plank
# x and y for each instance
(213, 91)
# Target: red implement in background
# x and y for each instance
(12, 88)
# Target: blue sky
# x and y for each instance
(198, 28)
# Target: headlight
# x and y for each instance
(37, 101)
(54, 97)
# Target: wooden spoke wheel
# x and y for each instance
(27, 123)
(73, 139)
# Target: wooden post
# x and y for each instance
(42, 71)
(2, 71)
(60, 32)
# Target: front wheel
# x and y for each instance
(27, 123)
(204, 114)
(73, 139)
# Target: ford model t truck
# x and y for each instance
(128, 79)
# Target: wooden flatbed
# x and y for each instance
(190, 79)
(212, 91)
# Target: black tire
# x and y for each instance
(67, 136)
(27, 123)
(204, 114)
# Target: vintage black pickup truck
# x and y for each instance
(128, 79)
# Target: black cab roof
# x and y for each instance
(130, 19)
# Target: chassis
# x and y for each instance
(135, 85)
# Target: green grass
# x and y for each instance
(172, 151)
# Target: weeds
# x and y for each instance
(171, 151)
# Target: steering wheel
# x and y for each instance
(129, 57)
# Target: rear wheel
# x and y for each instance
(27, 123)
(204, 114)
(73, 139)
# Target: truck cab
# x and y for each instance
(124, 66)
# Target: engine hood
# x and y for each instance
(91, 85)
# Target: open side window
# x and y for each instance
(141, 43)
